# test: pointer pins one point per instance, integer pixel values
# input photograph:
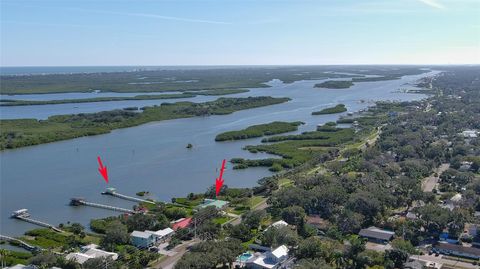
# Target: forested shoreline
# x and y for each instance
(27, 132)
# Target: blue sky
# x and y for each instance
(218, 32)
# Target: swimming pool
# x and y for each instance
(244, 257)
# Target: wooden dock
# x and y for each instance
(113, 192)
(81, 201)
(23, 244)
(22, 214)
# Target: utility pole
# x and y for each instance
(195, 228)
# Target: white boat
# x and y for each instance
(21, 213)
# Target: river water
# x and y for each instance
(44, 111)
(153, 156)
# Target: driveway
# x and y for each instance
(169, 261)
(429, 183)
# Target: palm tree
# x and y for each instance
(339, 259)
(3, 255)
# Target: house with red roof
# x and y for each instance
(181, 223)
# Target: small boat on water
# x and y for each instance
(21, 213)
(189, 146)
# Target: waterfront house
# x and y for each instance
(162, 235)
(181, 223)
(142, 240)
(78, 257)
(268, 260)
(90, 252)
(377, 235)
(457, 250)
(219, 204)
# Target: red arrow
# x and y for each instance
(219, 180)
(102, 169)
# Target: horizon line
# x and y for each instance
(228, 65)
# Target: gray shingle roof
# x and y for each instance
(376, 233)
(458, 248)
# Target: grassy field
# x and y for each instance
(26, 132)
(276, 127)
(49, 239)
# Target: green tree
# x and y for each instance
(252, 219)
(312, 264)
(294, 215)
(142, 222)
(397, 256)
(317, 248)
(355, 247)
(275, 237)
(403, 245)
(44, 259)
(116, 234)
(208, 230)
(77, 228)
(240, 231)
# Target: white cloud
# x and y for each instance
(433, 3)
(154, 16)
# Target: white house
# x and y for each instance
(469, 134)
(78, 257)
(277, 224)
(268, 260)
(89, 252)
(162, 235)
(21, 266)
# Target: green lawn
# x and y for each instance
(255, 200)
(221, 220)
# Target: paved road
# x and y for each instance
(372, 140)
(170, 261)
(429, 183)
(438, 259)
